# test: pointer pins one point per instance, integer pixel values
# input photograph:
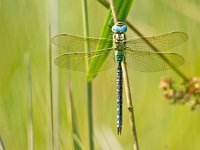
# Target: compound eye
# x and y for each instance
(115, 29)
(124, 28)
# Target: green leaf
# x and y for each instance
(122, 8)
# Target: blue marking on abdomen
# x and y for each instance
(119, 82)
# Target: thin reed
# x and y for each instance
(89, 83)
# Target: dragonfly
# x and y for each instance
(135, 52)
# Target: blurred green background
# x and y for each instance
(26, 27)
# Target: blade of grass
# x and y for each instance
(72, 116)
(89, 83)
(30, 103)
(78, 141)
(128, 91)
(53, 76)
(122, 8)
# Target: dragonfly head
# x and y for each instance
(119, 27)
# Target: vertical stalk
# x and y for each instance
(127, 89)
(130, 105)
(53, 76)
(51, 93)
(30, 103)
(114, 12)
(72, 115)
(51, 99)
(1, 144)
(89, 83)
(90, 116)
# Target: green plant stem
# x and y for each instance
(77, 140)
(51, 92)
(89, 83)
(132, 27)
(51, 101)
(30, 103)
(90, 116)
(72, 115)
(127, 89)
(53, 77)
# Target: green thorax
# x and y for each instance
(119, 43)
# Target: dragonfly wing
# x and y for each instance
(161, 42)
(74, 43)
(151, 61)
(77, 61)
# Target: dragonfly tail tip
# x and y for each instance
(119, 130)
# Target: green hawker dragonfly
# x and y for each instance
(135, 51)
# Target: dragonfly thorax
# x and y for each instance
(119, 41)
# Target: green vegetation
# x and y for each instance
(24, 28)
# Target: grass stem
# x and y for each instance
(72, 115)
(130, 105)
(53, 76)
(30, 103)
(114, 12)
(89, 83)
(51, 98)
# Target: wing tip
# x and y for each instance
(185, 36)
(57, 61)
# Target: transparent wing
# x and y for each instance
(77, 61)
(74, 43)
(150, 61)
(161, 42)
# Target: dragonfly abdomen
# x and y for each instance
(119, 58)
(119, 98)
